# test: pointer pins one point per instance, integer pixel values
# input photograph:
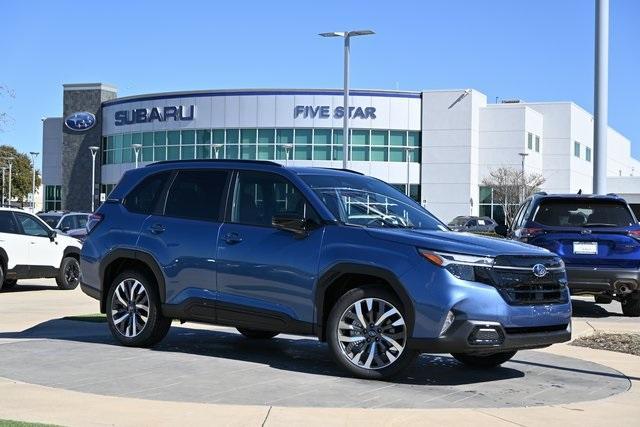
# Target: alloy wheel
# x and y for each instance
(130, 308)
(72, 272)
(372, 333)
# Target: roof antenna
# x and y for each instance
(580, 191)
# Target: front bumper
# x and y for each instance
(459, 338)
(595, 280)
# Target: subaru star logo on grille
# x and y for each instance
(80, 121)
(539, 270)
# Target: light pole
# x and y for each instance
(94, 150)
(601, 97)
(216, 149)
(408, 151)
(287, 148)
(9, 161)
(345, 132)
(33, 181)
(3, 169)
(523, 155)
(136, 151)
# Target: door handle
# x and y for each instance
(232, 238)
(157, 228)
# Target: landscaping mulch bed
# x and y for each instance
(622, 343)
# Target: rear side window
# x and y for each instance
(8, 223)
(196, 194)
(583, 213)
(145, 196)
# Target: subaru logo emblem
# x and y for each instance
(80, 121)
(539, 270)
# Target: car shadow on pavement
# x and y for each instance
(583, 308)
(288, 353)
(28, 288)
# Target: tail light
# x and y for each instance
(94, 220)
(525, 234)
(635, 234)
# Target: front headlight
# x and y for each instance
(462, 266)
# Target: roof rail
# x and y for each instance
(252, 162)
(343, 170)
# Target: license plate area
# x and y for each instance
(585, 248)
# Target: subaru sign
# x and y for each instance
(324, 112)
(150, 115)
(80, 121)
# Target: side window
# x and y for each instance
(8, 223)
(517, 223)
(472, 223)
(258, 197)
(145, 196)
(196, 194)
(67, 223)
(81, 221)
(31, 226)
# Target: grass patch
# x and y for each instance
(622, 343)
(11, 423)
(93, 318)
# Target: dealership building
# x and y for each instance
(437, 146)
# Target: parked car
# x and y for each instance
(30, 249)
(313, 251)
(482, 224)
(73, 223)
(598, 237)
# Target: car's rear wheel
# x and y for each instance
(631, 305)
(69, 273)
(133, 311)
(1, 277)
(256, 334)
(9, 283)
(367, 333)
(484, 360)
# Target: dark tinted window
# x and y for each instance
(258, 197)
(144, 197)
(8, 223)
(583, 213)
(196, 194)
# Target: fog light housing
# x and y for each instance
(448, 321)
(486, 335)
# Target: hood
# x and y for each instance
(449, 241)
(68, 240)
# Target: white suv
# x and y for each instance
(30, 249)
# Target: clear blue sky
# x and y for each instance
(538, 50)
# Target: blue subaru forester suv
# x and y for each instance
(598, 238)
(312, 251)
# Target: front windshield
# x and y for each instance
(364, 201)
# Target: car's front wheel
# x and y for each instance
(484, 360)
(69, 273)
(367, 333)
(631, 305)
(9, 283)
(133, 311)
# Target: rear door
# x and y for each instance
(587, 232)
(13, 242)
(183, 234)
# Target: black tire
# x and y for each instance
(256, 334)
(69, 274)
(631, 305)
(156, 326)
(2, 285)
(341, 356)
(485, 360)
(9, 283)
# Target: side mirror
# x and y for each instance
(65, 229)
(52, 235)
(501, 230)
(291, 223)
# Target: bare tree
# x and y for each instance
(507, 185)
(5, 118)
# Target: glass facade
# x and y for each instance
(53, 198)
(492, 206)
(262, 144)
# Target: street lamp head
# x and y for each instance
(347, 33)
(361, 33)
(333, 34)
(136, 146)
(94, 149)
(34, 153)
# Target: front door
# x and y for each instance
(45, 254)
(183, 235)
(266, 275)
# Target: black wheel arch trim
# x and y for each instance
(4, 258)
(331, 275)
(71, 250)
(138, 255)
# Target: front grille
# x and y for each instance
(519, 286)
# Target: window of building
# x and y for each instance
(379, 145)
(196, 194)
(360, 145)
(173, 145)
(302, 146)
(576, 149)
(537, 144)
(530, 141)
(187, 142)
(492, 206)
(160, 146)
(414, 190)
(248, 144)
(53, 198)
(203, 144)
(266, 144)
(322, 144)
(587, 154)
(127, 151)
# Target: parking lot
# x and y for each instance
(69, 352)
